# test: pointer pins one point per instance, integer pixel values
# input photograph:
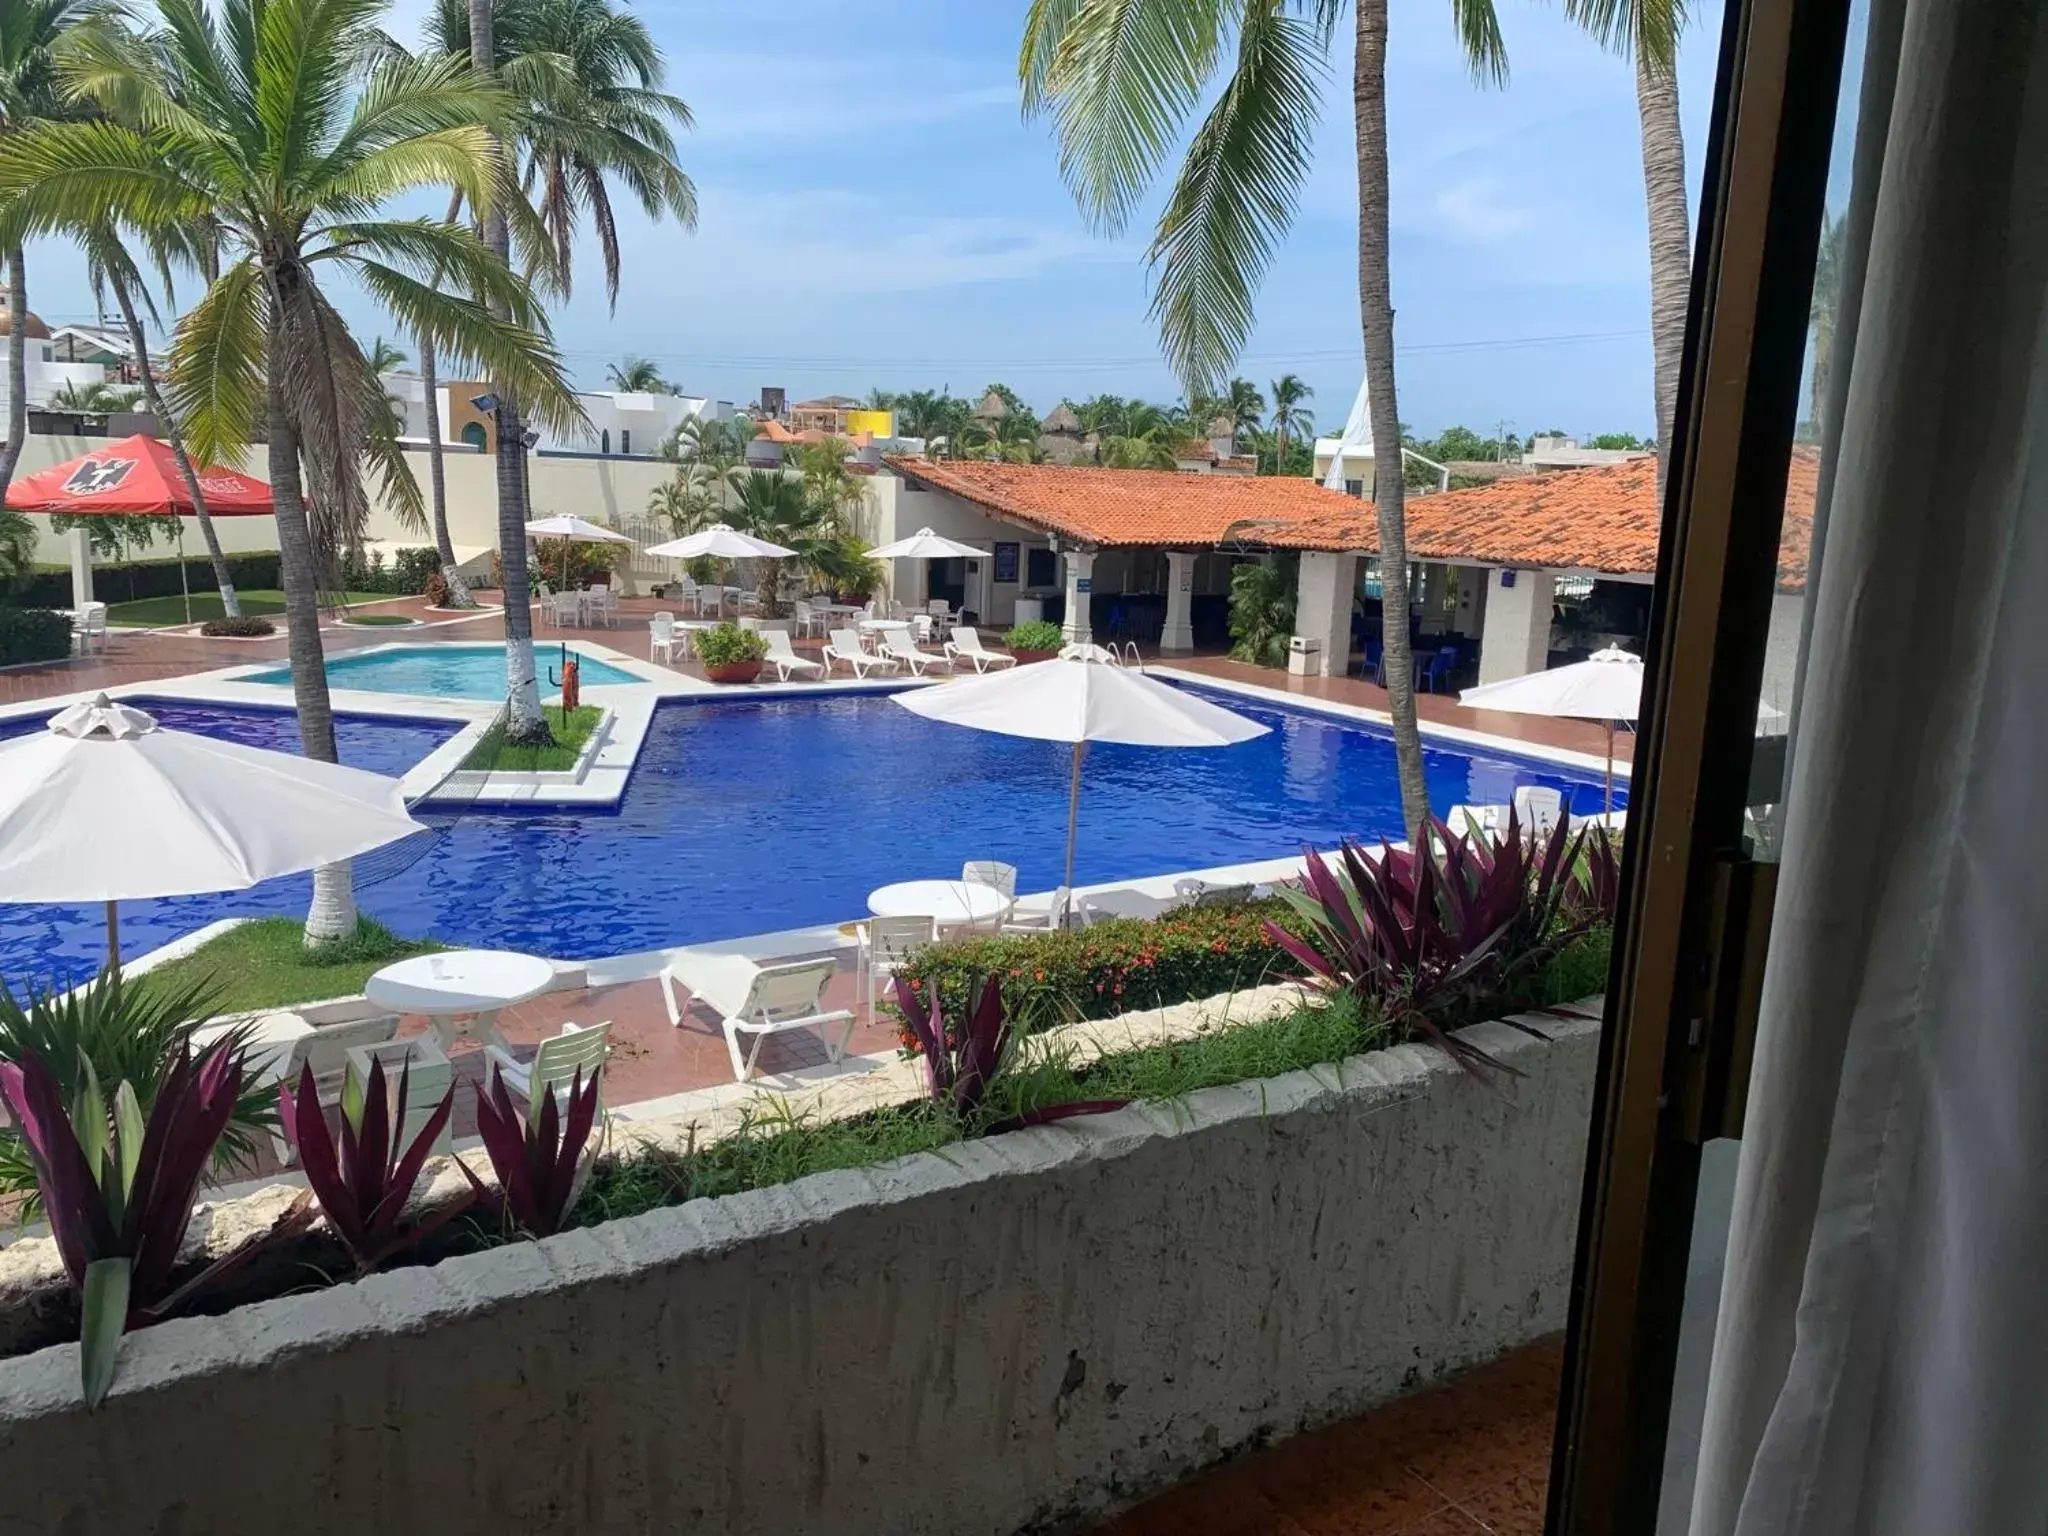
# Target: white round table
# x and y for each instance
(946, 902)
(461, 990)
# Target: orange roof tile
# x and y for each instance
(769, 430)
(1156, 507)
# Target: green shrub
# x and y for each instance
(728, 644)
(33, 634)
(1039, 635)
(1113, 966)
(242, 628)
(130, 580)
(1262, 613)
(406, 575)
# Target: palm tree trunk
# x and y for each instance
(230, 604)
(1670, 239)
(437, 480)
(333, 913)
(1376, 312)
(525, 725)
(17, 367)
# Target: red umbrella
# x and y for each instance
(137, 475)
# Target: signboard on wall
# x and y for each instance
(1006, 562)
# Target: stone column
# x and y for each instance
(1516, 639)
(1080, 566)
(1322, 607)
(1178, 637)
(81, 567)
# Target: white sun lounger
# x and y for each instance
(783, 658)
(897, 647)
(845, 646)
(966, 646)
(760, 1000)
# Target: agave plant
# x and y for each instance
(538, 1158)
(960, 1063)
(364, 1183)
(118, 1190)
(120, 1032)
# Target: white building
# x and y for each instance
(620, 424)
(46, 374)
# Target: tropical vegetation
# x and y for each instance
(1262, 611)
(636, 376)
(98, 398)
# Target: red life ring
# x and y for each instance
(571, 684)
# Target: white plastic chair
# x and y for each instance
(603, 606)
(687, 596)
(555, 1065)
(885, 943)
(428, 1074)
(760, 1000)
(845, 646)
(966, 644)
(897, 647)
(783, 657)
(89, 628)
(1059, 910)
(1537, 809)
(661, 638)
(808, 619)
(991, 872)
(924, 628)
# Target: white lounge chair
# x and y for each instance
(783, 657)
(897, 647)
(555, 1064)
(662, 643)
(966, 645)
(760, 1000)
(991, 872)
(885, 943)
(845, 646)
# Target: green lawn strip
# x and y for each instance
(492, 753)
(265, 964)
(374, 620)
(156, 612)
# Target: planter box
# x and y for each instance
(1025, 658)
(1017, 1332)
(734, 672)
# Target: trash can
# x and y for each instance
(1304, 656)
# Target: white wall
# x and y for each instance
(1017, 1333)
(899, 510)
(1516, 639)
(1781, 658)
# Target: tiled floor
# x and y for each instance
(1465, 1459)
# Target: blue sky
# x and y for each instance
(874, 212)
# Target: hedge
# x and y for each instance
(33, 634)
(133, 579)
(405, 576)
(1113, 965)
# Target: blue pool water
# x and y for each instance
(445, 671)
(751, 816)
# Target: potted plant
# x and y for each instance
(1037, 641)
(731, 654)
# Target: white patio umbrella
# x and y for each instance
(105, 805)
(719, 542)
(1607, 686)
(573, 530)
(1079, 700)
(926, 545)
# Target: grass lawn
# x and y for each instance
(265, 964)
(378, 620)
(154, 612)
(492, 753)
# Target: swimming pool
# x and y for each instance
(751, 816)
(446, 671)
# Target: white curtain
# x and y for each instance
(1881, 1357)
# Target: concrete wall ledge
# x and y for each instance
(1014, 1333)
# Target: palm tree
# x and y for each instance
(112, 267)
(1827, 294)
(771, 505)
(590, 111)
(386, 358)
(1244, 405)
(17, 549)
(95, 399)
(261, 116)
(29, 93)
(1116, 452)
(1649, 29)
(636, 376)
(1119, 78)
(1291, 418)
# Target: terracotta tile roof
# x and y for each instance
(769, 430)
(1158, 507)
(1603, 518)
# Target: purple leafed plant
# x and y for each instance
(1592, 885)
(365, 1183)
(961, 1062)
(538, 1158)
(1424, 933)
(118, 1192)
